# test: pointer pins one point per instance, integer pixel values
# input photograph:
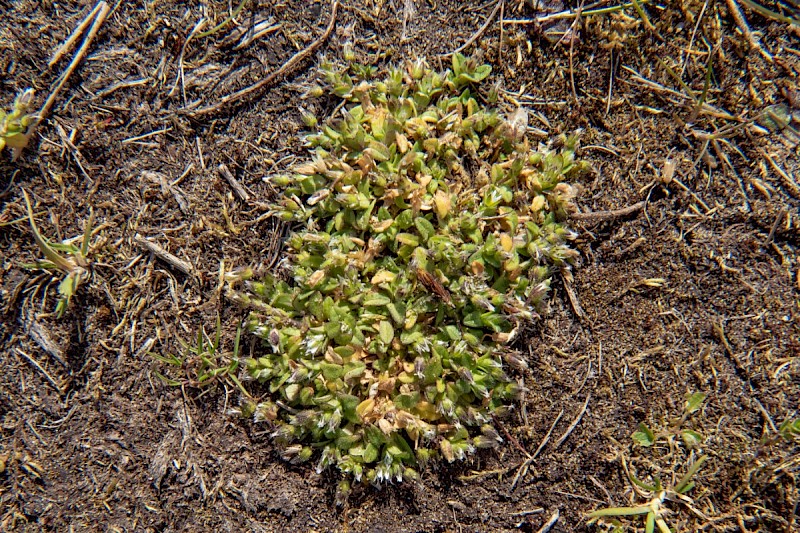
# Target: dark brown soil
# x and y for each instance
(699, 291)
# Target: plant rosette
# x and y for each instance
(425, 231)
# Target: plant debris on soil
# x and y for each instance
(665, 371)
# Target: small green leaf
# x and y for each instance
(425, 228)
(60, 262)
(292, 391)
(407, 401)
(370, 453)
(644, 437)
(353, 370)
(480, 73)
(789, 429)
(620, 511)
(458, 61)
(694, 401)
(473, 320)
(650, 522)
(691, 438)
(386, 332)
(376, 300)
(398, 312)
(409, 239)
(331, 371)
(453, 332)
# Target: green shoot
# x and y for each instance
(790, 430)
(66, 258)
(203, 362)
(655, 509)
(224, 23)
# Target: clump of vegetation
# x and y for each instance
(204, 362)
(646, 437)
(655, 511)
(14, 125)
(65, 258)
(426, 229)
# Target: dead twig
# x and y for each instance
(66, 140)
(511, 438)
(572, 295)
(288, 66)
(788, 180)
(775, 224)
(550, 523)
(741, 22)
(168, 188)
(76, 33)
(602, 216)
(477, 34)
(705, 108)
(39, 367)
(99, 15)
(159, 252)
(409, 10)
(42, 337)
(770, 14)
(570, 14)
(574, 424)
(237, 187)
(525, 465)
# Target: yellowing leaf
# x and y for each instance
(386, 332)
(383, 276)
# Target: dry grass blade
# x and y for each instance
(768, 13)
(550, 523)
(41, 369)
(575, 423)
(285, 69)
(76, 33)
(572, 295)
(433, 285)
(237, 187)
(478, 33)
(706, 108)
(788, 180)
(603, 216)
(99, 17)
(523, 468)
(409, 10)
(736, 13)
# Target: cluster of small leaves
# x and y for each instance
(204, 362)
(644, 436)
(656, 510)
(426, 230)
(14, 125)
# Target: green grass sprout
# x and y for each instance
(204, 362)
(654, 511)
(70, 260)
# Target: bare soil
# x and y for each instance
(698, 291)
